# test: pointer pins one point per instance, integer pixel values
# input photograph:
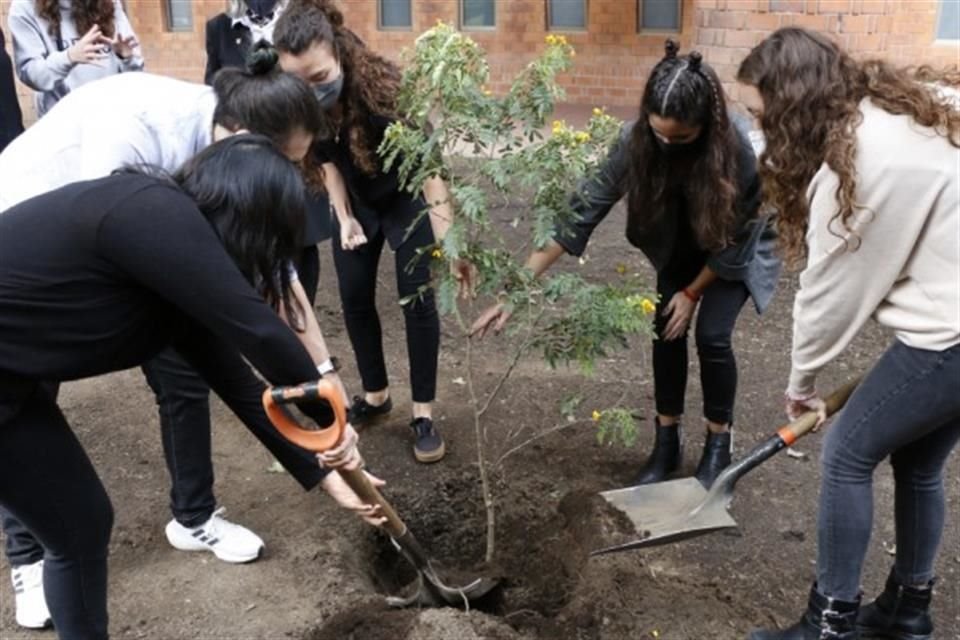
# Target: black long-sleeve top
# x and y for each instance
(751, 257)
(99, 276)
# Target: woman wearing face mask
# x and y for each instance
(59, 45)
(133, 119)
(862, 163)
(140, 263)
(358, 90)
(689, 176)
(230, 37)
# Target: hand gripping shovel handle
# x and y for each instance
(784, 437)
(326, 439)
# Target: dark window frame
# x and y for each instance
(648, 30)
(465, 27)
(168, 16)
(568, 29)
(383, 27)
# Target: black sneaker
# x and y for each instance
(362, 412)
(427, 444)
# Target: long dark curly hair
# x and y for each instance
(811, 91)
(85, 14)
(686, 89)
(371, 82)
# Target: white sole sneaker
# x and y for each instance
(31, 605)
(227, 541)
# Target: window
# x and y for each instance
(948, 22)
(395, 14)
(478, 14)
(566, 14)
(179, 15)
(659, 15)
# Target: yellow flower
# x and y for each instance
(596, 415)
(647, 306)
(487, 92)
(440, 23)
(562, 39)
(582, 136)
(551, 39)
(621, 268)
(597, 111)
(559, 126)
(437, 253)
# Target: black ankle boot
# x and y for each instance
(825, 619)
(899, 613)
(715, 458)
(665, 457)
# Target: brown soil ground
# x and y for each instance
(324, 573)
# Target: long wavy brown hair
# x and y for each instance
(371, 82)
(811, 90)
(686, 89)
(85, 14)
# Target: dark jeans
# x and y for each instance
(48, 484)
(357, 279)
(907, 408)
(184, 407)
(719, 308)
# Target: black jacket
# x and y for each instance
(751, 257)
(11, 120)
(227, 45)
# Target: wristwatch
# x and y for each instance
(330, 365)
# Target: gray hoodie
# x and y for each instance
(41, 58)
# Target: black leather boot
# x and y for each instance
(825, 619)
(899, 613)
(715, 458)
(666, 455)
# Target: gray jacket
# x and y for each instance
(750, 258)
(41, 57)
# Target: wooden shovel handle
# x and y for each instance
(326, 439)
(805, 423)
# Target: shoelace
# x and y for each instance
(423, 428)
(213, 525)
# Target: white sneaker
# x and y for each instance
(228, 541)
(31, 605)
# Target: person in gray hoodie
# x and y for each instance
(59, 45)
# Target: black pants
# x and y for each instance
(48, 484)
(183, 401)
(719, 308)
(357, 280)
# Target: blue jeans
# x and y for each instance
(907, 408)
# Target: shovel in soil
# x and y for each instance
(666, 512)
(431, 590)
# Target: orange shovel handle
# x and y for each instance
(318, 441)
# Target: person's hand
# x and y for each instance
(796, 406)
(465, 273)
(495, 316)
(343, 495)
(91, 48)
(351, 234)
(680, 311)
(124, 46)
(345, 455)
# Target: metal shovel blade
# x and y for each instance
(667, 512)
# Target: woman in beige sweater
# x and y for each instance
(862, 163)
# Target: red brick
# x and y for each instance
(743, 38)
(791, 6)
(763, 21)
(834, 6)
(855, 24)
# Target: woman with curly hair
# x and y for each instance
(358, 90)
(862, 164)
(59, 45)
(688, 172)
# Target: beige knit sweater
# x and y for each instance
(902, 266)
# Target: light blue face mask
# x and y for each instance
(328, 93)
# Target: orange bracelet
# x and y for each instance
(692, 297)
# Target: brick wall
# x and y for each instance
(902, 31)
(612, 58)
